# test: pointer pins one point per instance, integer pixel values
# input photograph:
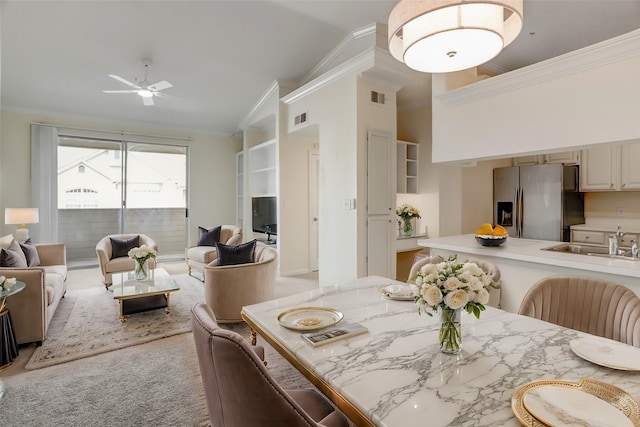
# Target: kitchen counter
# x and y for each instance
(522, 263)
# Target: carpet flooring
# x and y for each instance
(87, 323)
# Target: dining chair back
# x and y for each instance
(240, 390)
(601, 308)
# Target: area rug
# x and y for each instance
(87, 323)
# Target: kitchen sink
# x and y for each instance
(601, 251)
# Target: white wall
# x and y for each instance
(211, 174)
(587, 105)
(452, 199)
(333, 109)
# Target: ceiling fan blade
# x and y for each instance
(120, 91)
(147, 101)
(160, 86)
(127, 82)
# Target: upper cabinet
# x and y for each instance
(610, 168)
(407, 167)
(566, 157)
(262, 169)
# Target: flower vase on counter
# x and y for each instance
(407, 227)
(407, 215)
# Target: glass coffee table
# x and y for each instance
(136, 296)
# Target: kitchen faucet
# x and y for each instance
(634, 249)
(614, 242)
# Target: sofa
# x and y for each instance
(32, 309)
(200, 255)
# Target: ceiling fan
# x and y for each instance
(144, 88)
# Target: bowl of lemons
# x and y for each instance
(488, 235)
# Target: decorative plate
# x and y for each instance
(588, 402)
(611, 354)
(309, 318)
(398, 292)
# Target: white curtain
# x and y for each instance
(44, 181)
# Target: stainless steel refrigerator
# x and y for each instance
(538, 201)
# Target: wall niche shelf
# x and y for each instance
(407, 167)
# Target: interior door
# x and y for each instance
(314, 223)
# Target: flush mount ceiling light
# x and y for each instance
(440, 36)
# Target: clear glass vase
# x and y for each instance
(450, 333)
(142, 269)
(407, 226)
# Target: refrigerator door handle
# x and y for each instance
(521, 212)
(516, 213)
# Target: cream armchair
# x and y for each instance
(228, 288)
(109, 265)
(199, 256)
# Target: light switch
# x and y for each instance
(346, 204)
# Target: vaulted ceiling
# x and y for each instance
(221, 56)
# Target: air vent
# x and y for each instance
(377, 97)
(300, 119)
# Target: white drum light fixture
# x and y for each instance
(441, 36)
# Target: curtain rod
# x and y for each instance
(123, 133)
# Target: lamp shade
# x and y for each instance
(21, 216)
(439, 36)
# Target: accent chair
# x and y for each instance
(111, 261)
(199, 256)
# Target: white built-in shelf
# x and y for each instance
(407, 167)
(262, 169)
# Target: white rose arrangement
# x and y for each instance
(7, 283)
(452, 285)
(140, 256)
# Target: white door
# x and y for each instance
(381, 185)
(314, 223)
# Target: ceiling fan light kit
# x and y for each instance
(440, 36)
(144, 89)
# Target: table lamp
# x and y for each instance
(21, 216)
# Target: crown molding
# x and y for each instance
(271, 90)
(599, 54)
(357, 64)
(339, 50)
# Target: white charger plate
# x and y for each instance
(610, 354)
(309, 318)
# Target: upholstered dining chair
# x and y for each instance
(202, 254)
(494, 274)
(227, 288)
(115, 259)
(239, 389)
(601, 308)
(419, 263)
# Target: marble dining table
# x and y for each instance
(395, 375)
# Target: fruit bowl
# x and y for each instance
(488, 240)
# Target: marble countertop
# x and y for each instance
(530, 251)
(395, 375)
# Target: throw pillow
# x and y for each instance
(208, 237)
(5, 241)
(121, 247)
(233, 255)
(13, 256)
(30, 253)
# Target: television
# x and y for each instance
(264, 215)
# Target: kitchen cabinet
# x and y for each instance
(407, 167)
(565, 157)
(601, 236)
(629, 170)
(610, 168)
